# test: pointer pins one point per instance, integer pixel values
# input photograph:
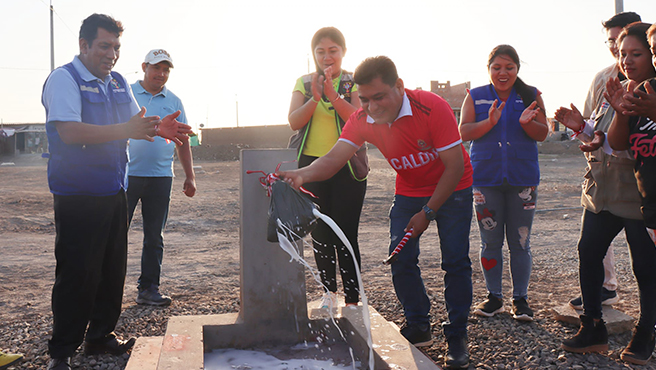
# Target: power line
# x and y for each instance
(24, 69)
(60, 18)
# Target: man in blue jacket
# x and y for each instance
(90, 114)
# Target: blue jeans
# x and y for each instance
(155, 195)
(453, 224)
(597, 232)
(508, 210)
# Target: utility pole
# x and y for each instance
(619, 6)
(237, 109)
(52, 39)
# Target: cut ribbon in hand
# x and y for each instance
(395, 253)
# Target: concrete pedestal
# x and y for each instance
(272, 289)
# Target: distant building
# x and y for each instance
(23, 138)
(454, 95)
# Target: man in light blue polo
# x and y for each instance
(150, 173)
(90, 114)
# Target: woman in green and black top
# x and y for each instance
(321, 103)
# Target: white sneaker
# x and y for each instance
(329, 300)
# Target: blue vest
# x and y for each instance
(506, 151)
(94, 169)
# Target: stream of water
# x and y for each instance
(292, 250)
(235, 359)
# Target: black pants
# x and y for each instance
(341, 198)
(91, 254)
(597, 232)
(155, 196)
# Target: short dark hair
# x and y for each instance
(380, 66)
(89, 28)
(636, 29)
(621, 20)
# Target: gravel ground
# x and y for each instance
(202, 276)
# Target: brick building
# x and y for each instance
(454, 95)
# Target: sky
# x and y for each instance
(236, 61)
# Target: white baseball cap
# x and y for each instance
(158, 55)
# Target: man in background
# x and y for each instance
(613, 27)
(150, 173)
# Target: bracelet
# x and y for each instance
(156, 130)
(336, 99)
(579, 132)
(314, 100)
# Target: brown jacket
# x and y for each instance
(610, 185)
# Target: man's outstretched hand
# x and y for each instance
(174, 130)
(596, 143)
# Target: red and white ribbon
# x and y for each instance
(269, 178)
(394, 255)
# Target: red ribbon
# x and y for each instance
(269, 178)
(393, 256)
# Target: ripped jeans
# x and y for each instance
(508, 210)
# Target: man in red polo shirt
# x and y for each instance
(417, 132)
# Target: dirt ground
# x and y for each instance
(201, 263)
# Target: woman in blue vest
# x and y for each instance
(321, 103)
(504, 120)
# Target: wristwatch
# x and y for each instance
(430, 214)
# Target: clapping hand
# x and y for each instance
(142, 127)
(640, 103)
(571, 118)
(596, 143)
(614, 93)
(170, 128)
(328, 88)
(495, 112)
(317, 86)
(529, 113)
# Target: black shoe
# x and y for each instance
(152, 297)
(113, 346)
(521, 311)
(419, 334)
(490, 306)
(457, 353)
(591, 337)
(608, 298)
(576, 303)
(60, 364)
(640, 348)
